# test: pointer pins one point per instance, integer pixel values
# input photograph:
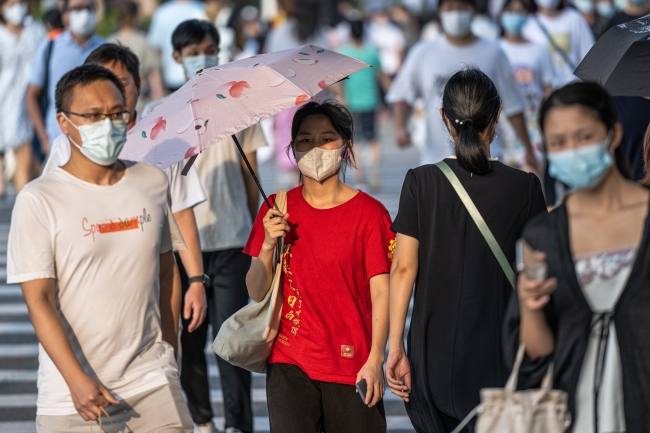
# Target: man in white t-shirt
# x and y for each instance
(185, 191)
(163, 22)
(429, 65)
(91, 246)
(224, 222)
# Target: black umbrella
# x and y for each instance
(620, 60)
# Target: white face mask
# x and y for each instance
(15, 14)
(319, 164)
(101, 142)
(194, 64)
(456, 24)
(82, 23)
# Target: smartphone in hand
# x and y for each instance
(533, 268)
(362, 387)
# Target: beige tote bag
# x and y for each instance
(506, 410)
(247, 337)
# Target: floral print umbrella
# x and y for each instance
(226, 99)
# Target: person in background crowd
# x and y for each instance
(532, 66)
(455, 321)
(590, 315)
(564, 31)
(605, 10)
(633, 9)
(102, 292)
(163, 23)
(185, 191)
(20, 36)
(361, 96)
(130, 35)
(587, 9)
(53, 59)
(301, 27)
(408, 23)
(53, 23)
(389, 40)
(429, 65)
(222, 14)
(634, 115)
(224, 222)
(323, 347)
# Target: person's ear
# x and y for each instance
(177, 57)
(617, 136)
(63, 123)
(447, 121)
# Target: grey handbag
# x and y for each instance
(247, 337)
(506, 410)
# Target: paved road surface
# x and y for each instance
(18, 343)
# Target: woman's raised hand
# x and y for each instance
(535, 294)
(275, 227)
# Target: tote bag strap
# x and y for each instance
(480, 222)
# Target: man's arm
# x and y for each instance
(32, 101)
(401, 114)
(88, 395)
(195, 301)
(518, 123)
(252, 193)
(171, 294)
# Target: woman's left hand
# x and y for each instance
(373, 372)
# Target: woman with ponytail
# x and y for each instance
(461, 291)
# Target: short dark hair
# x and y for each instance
(472, 3)
(356, 29)
(596, 100)
(52, 18)
(471, 105)
(82, 76)
(529, 5)
(127, 13)
(110, 54)
(337, 114)
(193, 32)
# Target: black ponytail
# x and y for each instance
(471, 104)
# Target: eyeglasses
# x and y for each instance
(122, 116)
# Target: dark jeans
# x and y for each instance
(227, 270)
(298, 404)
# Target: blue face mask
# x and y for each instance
(513, 22)
(101, 142)
(194, 64)
(582, 168)
(605, 9)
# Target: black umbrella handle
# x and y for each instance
(248, 164)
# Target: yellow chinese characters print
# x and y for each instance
(391, 248)
(294, 300)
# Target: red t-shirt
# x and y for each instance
(329, 257)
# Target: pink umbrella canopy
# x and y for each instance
(226, 99)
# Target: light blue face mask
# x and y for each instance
(101, 142)
(605, 9)
(194, 64)
(513, 22)
(582, 168)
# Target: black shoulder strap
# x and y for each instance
(555, 46)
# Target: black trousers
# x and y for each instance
(227, 270)
(298, 404)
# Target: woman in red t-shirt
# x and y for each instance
(336, 258)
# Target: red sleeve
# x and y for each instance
(380, 247)
(256, 238)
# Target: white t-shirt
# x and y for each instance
(391, 43)
(163, 23)
(425, 72)
(223, 220)
(102, 245)
(185, 191)
(532, 66)
(571, 34)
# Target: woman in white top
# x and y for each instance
(19, 38)
(532, 66)
(591, 316)
(565, 32)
